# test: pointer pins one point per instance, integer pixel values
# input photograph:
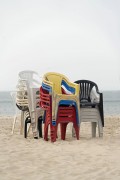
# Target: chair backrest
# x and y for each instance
(31, 77)
(86, 87)
(57, 80)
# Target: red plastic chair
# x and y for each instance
(65, 115)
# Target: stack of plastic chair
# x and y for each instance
(91, 106)
(33, 83)
(60, 108)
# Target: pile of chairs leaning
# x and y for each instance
(54, 100)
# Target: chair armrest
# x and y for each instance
(47, 86)
(47, 82)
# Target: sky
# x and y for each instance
(78, 38)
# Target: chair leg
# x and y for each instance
(63, 130)
(22, 122)
(25, 130)
(73, 132)
(40, 126)
(77, 130)
(57, 131)
(100, 128)
(25, 127)
(29, 128)
(53, 130)
(46, 132)
(46, 125)
(94, 124)
(14, 122)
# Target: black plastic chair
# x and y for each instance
(86, 88)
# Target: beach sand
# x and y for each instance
(87, 159)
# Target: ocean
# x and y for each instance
(111, 101)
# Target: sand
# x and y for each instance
(87, 159)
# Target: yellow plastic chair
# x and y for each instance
(55, 81)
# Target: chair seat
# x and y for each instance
(92, 115)
(89, 114)
(85, 104)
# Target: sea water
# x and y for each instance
(111, 102)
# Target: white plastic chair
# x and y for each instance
(33, 83)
